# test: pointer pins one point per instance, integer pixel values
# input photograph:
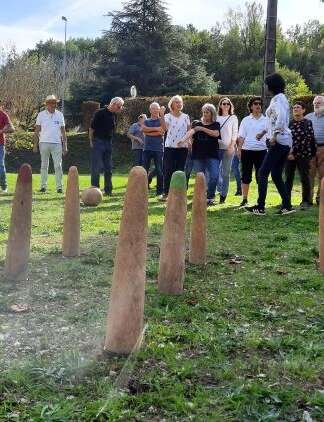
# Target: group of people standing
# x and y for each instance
(269, 144)
(173, 144)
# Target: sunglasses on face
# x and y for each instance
(257, 103)
(227, 104)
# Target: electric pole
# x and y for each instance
(64, 63)
(270, 47)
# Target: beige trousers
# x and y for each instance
(46, 150)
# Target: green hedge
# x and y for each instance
(308, 100)
(19, 145)
(192, 106)
(19, 151)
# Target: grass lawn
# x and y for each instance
(243, 343)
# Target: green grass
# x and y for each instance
(243, 343)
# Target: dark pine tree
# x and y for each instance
(141, 32)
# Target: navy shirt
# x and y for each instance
(104, 124)
(205, 146)
(153, 143)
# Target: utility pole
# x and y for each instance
(64, 63)
(270, 47)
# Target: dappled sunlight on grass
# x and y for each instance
(244, 341)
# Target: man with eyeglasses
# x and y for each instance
(317, 163)
(252, 146)
(102, 129)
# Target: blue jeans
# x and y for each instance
(210, 166)
(224, 171)
(188, 167)
(137, 157)
(101, 160)
(273, 163)
(236, 172)
(157, 157)
(3, 178)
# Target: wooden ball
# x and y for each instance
(91, 197)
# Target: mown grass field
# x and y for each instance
(243, 343)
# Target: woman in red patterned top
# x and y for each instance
(303, 149)
(5, 127)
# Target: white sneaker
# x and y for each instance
(4, 190)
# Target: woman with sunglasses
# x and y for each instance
(252, 146)
(229, 131)
(280, 144)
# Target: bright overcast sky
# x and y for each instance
(25, 22)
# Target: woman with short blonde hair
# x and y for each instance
(176, 123)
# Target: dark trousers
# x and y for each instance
(188, 167)
(273, 163)
(101, 160)
(174, 159)
(302, 164)
(137, 157)
(151, 176)
(156, 156)
(3, 178)
(250, 159)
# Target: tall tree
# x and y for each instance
(141, 33)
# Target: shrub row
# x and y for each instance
(19, 145)
(19, 151)
(192, 106)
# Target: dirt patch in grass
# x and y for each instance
(65, 310)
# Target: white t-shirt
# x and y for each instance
(177, 129)
(229, 130)
(250, 126)
(278, 119)
(50, 124)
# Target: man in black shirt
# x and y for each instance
(102, 129)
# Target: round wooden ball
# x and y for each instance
(91, 197)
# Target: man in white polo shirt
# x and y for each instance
(50, 138)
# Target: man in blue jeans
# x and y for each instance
(153, 145)
(102, 129)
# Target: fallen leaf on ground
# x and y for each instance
(19, 307)
(280, 271)
(235, 261)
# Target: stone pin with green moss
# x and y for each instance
(173, 248)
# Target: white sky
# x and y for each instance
(24, 26)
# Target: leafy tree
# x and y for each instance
(303, 50)
(295, 84)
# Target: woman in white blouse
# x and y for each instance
(277, 115)
(229, 131)
(176, 123)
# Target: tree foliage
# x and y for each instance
(142, 47)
